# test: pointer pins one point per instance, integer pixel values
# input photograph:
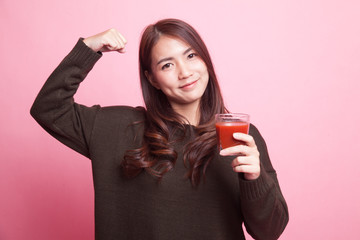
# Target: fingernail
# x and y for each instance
(222, 152)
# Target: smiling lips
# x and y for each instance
(188, 85)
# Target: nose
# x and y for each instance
(184, 71)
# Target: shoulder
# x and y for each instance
(121, 114)
(120, 110)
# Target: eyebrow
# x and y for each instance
(171, 58)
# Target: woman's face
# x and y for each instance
(178, 71)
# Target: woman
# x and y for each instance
(157, 172)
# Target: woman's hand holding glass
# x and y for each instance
(248, 156)
(110, 40)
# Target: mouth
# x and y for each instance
(189, 85)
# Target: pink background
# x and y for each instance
(293, 65)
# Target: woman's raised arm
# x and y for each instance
(54, 107)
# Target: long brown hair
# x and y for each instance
(157, 155)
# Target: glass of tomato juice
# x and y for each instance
(229, 123)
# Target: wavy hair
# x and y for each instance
(157, 155)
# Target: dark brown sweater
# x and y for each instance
(141, 208)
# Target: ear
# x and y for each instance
(151, 79)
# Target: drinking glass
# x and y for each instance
(229, 123)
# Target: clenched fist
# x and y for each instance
(110, 40)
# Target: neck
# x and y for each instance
(191, 112)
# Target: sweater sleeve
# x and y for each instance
(54, 107)
(263, 206)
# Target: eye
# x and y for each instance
(167, 65)
(192, 55)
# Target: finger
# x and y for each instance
(121, 43)
(241, 160)
(113, 40)
(120, 39)
(248, 169)
(115, 45)
(116, 34)
(123, 39)
(121, 50)
(111, 46)
(236, 150)
(248, 139)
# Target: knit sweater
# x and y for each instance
(142, 208)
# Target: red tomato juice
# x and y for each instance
(225, 130)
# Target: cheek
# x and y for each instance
(203, 69)
(206, 79)
(164, 80)
(205, 74)
(206, 82)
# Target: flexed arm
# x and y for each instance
(54, 107)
